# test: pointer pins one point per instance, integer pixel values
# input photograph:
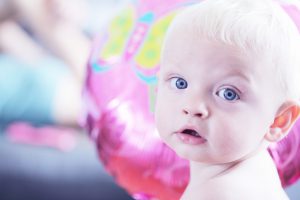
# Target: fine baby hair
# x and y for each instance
(260, 28)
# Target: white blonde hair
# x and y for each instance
(259, 27)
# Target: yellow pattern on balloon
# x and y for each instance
(119, 30)
(149, 55)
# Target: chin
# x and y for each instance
(188, 155)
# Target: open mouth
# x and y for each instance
(191, 132)
(190, 136)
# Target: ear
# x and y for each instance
(284, 120)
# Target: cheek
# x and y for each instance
(161, 114)
(163, 125)
(240, 135)
(166, 112)
(233, 133)
(164, 103)
(227, 135)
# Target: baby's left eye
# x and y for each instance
(228, 94)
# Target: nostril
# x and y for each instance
(198, 115)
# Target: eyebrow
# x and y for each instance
(239, 73)
(233, 71)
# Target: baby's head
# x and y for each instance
(229, 81)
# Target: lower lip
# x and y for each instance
(189, 139)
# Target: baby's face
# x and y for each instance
(214, 104)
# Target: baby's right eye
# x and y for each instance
(179, 83)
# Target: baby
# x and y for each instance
(229, 86)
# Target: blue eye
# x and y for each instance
(179, 83)
(228, 94)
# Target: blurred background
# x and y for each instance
(44, 153)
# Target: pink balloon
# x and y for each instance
(286, 155)
(120, 93)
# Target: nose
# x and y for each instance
(198, 110)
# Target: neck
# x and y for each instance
(201, 172)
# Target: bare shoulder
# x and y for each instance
(237, 190)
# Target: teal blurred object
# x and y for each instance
(27, 91)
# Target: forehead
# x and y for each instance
(184, 47)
